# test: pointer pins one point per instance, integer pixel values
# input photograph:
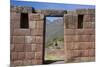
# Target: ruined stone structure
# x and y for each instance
(28, 35)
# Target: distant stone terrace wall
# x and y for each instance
(50, 12)
(27, 40)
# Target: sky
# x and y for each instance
(56, 6)
(53, 18)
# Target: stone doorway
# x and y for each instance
(54, 40)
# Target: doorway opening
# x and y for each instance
(54, 40)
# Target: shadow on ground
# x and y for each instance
(53, 61)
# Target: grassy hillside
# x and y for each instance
(54, 30)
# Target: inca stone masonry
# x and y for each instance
(28, 35)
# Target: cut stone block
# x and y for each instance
(37, 32)
(88, 53)
(39, 47)
(80, 45)
(39, 24)
(76, 53)
(83, 45)
(15, 24)
(27, 62)
(18, 39)
(32, 24)
(84, 38)
(85, 11)
(33, 31)
(14, 55)
(70, 21)
(89, 18)
(69, 45)
(34, 46)
(39, 40)
(34, 61)
(28, 48)
(90, 25)
(21, 9)
(21, 55)
(87, 45)
(19, 47)
(18, 62)
(76, 60)
(38, 55)
(91, 52)
(87, 59)
(68, 55)
(69, 38)
(35, 17)
(85, 31)
(21, 32)
(84, 53)
(29, 55)
(30, 39)
(15, 16)
(69, 31)
(38, 62)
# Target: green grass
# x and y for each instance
(51, 57)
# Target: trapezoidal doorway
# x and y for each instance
(54, 40)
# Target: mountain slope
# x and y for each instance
(54, 29)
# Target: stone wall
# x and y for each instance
(26, 43)
(79, 42)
